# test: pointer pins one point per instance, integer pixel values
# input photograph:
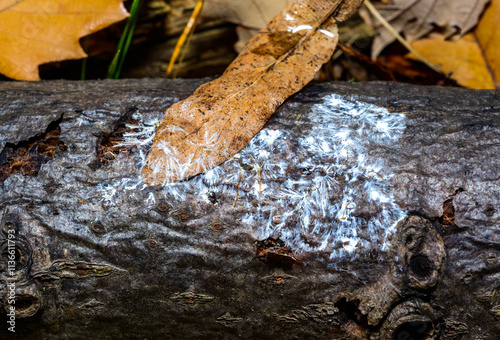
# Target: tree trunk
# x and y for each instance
(369, 214)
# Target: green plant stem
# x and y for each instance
(84, 62)
(123, 45)
(127, 42)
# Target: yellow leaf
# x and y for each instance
(473, 60)
(33, 32)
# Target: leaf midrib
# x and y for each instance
(267, 69)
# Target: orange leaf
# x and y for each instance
(474, 60)
(221, 117)
(33, 32)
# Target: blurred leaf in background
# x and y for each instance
(249, 16)
(474, 59)
(415, 19)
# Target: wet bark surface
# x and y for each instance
(100, 255)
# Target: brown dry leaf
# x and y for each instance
(406, 68)
(221, 117)
(33, 32)
(417, 18)
(473, 60)
(373, 65)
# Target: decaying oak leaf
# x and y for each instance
(221, 117)
(473, 60)
(33, 32)
(417, 18)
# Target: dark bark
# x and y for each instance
(99, 258)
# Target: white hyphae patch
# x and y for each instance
(341, 198)
(327, 190)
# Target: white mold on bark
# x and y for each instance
(316, 208)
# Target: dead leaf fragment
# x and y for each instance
(473, 60)
(221, 117)
(33, 32)
(417, 18)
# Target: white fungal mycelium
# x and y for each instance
(328, 190)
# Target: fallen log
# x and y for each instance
(364, 210)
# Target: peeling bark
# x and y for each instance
(99, 255)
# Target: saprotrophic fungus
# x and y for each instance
(325, 190)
